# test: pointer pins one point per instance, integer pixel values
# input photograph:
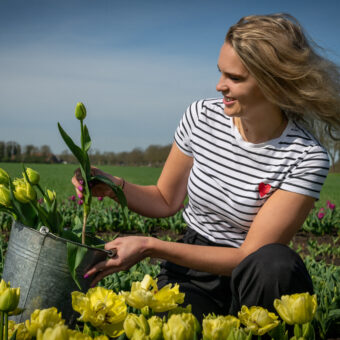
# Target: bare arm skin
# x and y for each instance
(276, 222)
(160, 200)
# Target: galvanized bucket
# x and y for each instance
(36, 261)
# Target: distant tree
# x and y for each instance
(2, 150)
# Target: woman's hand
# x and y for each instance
(98, 189)
(130, 250)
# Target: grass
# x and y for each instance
(58, 177)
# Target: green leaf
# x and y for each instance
(76, 150)
(14, 335)
(117, 189)
(87, 139)
(75, 255)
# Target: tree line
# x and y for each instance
(153, 155)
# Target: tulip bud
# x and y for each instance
(5, 197)
(181, 326)
(9, 297)
(80, 111)
(33, 176)
(155, 324)
(23, 191)
(218, 327)
(51, 195)
(135, 322)
(4, 178)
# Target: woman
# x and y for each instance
(251, 171)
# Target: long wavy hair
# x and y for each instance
(289, 71)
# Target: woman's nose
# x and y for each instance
(222, 84)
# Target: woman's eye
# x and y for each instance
(234, 78)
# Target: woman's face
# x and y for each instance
(242, 96)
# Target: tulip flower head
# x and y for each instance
(218, 327)
(4, 177)
(80, 111)
(296, 308)
(22, 332)
(33, 176)
(9, 297)
(103, 308)
(43, 319)
(5, 196)
(258, 320)
(330, 205)
(59, 332)
(23, 191)
(181, 327)
(321, 215)
(146, 293)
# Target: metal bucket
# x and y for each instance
(37, 263)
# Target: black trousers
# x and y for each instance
(268, 273)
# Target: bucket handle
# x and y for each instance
(45, 231)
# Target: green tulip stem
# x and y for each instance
(85, 215)
(82, 135)
(2, 325)
(41, 190)
(6, 325)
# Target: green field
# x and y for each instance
(58, 177)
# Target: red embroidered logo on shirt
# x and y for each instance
(264, 189)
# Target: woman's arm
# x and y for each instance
(276, 222)
(160, 200)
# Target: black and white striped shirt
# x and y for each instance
(231, 179)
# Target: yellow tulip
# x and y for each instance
(51, 195)
(33, 176)
(59, 332)
(5, 197)
(43, 319)
(23, 191)
(80, 112)
(239, 334)
(4, 177)
(296, 308)
(22, 332)
(258, 320)
(146, 293)
(135, 323)
(218, 327)
(181, 327)
(103, 308)
(155, 325)
(9, 297)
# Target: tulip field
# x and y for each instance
(130, 313)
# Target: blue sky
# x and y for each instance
(135, 64)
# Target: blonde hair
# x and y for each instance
(276, 51)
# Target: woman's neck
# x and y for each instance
(260, 130)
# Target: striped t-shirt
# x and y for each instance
(228, 182)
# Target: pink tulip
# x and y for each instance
(72, 198)
(80, 202)
(330, 205)
(80, 188)
(100, 198)
(321, 215)
(81, 181)
(80, 195)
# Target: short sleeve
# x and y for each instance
(309, 174)
(183, 134)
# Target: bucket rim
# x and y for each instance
(109, 253)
